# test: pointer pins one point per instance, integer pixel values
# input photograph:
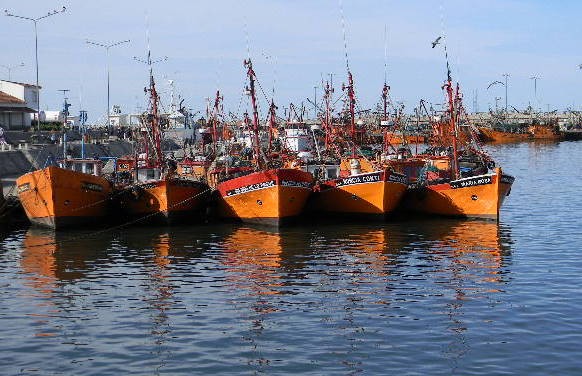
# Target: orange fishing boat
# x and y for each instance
(548, 132)
(72, 195)
(363, 187)
(479, 196)
(370, 192)
(163, 197)
(152, 191)
(456, 180)
(270, 197)
(535, 131)
(494, 135)
(396, 139)
(262, 195)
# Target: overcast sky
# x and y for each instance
(293, 44)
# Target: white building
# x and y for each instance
(17, 102)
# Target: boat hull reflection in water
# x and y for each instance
(244, 299)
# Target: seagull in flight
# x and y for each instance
(579, 66)
(436, 41)
(495, 83)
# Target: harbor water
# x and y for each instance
(426, 297)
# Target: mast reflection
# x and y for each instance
(473, 259)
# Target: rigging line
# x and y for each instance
(444, 35)
(343, 23)
(242, 95)
(262, 91)
(218, 70)
(274, 75)
(149, 57)
(248, 43)
(119, 227)
(385, 53)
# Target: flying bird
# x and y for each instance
(436, 41)
(495, 83)
(579, 66)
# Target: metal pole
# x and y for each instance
(108, 104)
(506, 75)
(10, 67)
(107, 47)
(37, 86)
(35, 20)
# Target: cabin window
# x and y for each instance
(332, 173)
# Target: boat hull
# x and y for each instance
(166, 201)
(58, 198)
(476, 197)
(534, 132)
(374, 194)
(269, 197)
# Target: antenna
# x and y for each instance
(272, 60)
(246, 29)
(444, 35)
(147, 22)
(385, 53)
(218, 70)
(343, 22)
(64, 92)
(274, 75)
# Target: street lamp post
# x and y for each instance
(506, 75)
(35, 21)
(535, 80)
(107, 47)
(10, 67)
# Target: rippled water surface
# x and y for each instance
(413, 297)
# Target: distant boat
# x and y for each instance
(507, 134)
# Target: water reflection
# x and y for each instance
(480, 248)
(252, 258)
(48, 257)
(360, 284)
(471, 259)
(52, 264)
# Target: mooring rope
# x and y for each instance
(114, 228)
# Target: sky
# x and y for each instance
(293, 45)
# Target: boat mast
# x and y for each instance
(385, 91)
(251, 90)
(352, 101)
(453, 125)
(217, 101)
(154, 120)
(65, 116)
(327, 126)
(152, 135)
(272, 123)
